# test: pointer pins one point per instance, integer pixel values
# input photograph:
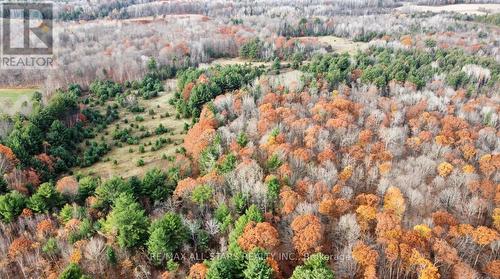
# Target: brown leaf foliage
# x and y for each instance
(364, 255)
(20, 246)
(67, 186)
(262, 235)
(307, 234)
(198, 271)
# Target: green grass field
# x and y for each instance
(15, 94)
(14, 100)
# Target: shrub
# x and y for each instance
(45, 198)
(161, 130)
(50, 247)
(128, 221)
(314, 267)
(202, 194)
(167, 234)
(11, 205)
(72, 271)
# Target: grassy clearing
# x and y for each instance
(340, 44)
(126, 162)
(13, 100)
(476, 9)
(16, 93)
(233, 61)
(343, 45)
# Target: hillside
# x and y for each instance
(310, 139)
(156, 111)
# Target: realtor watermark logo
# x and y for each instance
(27, 35)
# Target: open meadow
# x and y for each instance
(123, 161)
(472, 9)
(13, 100)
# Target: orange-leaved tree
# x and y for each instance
(307, 234)
(394, 202)
(262, 235)
(8, 159)
(67, 186)
(366, 257)
(289, 200)
(198, 271)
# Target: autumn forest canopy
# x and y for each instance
(257, 140)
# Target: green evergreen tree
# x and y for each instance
(128, 221)
(11, 205)
(167, 235)
(45, 198)
(154, 185)
(202, 194)
(86, 188)
(273, 189)
(222, 268)
(72, 271)
(314, 267)
(3, 185)
(108, 191)
(257, 266)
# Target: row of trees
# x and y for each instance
(380, 65)
(136, 9)
(195, 87)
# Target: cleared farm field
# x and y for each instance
(15, 94)
(477, 9)
(339, 44)
(13, 100)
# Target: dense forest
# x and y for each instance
(280, 154)
(179, 34)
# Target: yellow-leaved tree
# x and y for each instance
(394, 201)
